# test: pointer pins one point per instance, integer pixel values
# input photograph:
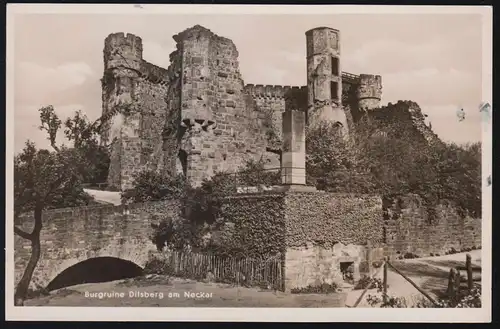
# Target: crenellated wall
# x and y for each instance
(272, 101)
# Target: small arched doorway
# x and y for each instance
(95, 270)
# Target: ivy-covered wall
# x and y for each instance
(255, 223)
(329, 218)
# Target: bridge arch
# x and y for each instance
(133, 255)
(95, 270)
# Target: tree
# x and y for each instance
(333, 162)
(46, 179)
(42, 178)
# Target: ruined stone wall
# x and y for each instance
(222, 128)
(72, 235)
(152, 90)
(134, 93)
(411, 228)
(408, 116)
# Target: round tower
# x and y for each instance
(369, 91)
(122, 50)
(324, 76)
(122, 64)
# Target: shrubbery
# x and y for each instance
(388, 157)
(324, 288)
(201, 205)
(465, 299)
(365, 281)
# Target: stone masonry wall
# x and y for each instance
(324, 230)
(152, 94)
(407, 114)
(72, 235)
(315, 236)
(221, 126)
(410, 228)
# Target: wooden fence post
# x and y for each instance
(468, 265)
(413, 284)
(369, 258)
(386, 266)
(368, 286)
(451, 284)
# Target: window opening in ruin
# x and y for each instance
(347, 270)
(183, 161)
(335, 66)
(334, 90)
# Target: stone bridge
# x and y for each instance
(71, 236)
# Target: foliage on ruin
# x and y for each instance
(151, 185)
(387, 155)
(332, 161)
(202, 221)
(251, 225)
(346, 218)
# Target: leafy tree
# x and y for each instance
(43, 180)
(390, 157)
(151, 185)
(333, 162)
(46, 179)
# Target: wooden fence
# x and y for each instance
(385, 267)
(455, 279)
(242, 270)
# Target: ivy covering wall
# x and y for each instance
(328, 218)
(254, 224)
(271, 223)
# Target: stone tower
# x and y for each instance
(369, 92)
(122, 62)
(324, 78)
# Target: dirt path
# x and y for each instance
(105, 196)
(429, 273)
(179, 293)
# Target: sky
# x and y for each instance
(432, 59)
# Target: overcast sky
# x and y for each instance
(434, 60)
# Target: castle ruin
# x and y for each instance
(198, 117)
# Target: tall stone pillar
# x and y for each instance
(324, 77)
(293, 158)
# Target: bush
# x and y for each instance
(153, 186)
(391, 301)
(466, 299)
(324, 288)
(410, 255)
(365, 281)
(156, 265)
